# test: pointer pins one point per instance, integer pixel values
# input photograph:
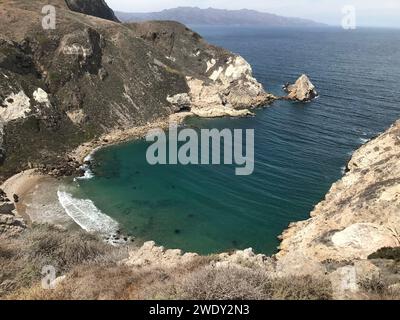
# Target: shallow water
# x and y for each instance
(300, 149)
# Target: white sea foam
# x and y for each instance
(364, 140)
(89, 157)
(86, 214)
(88, 173)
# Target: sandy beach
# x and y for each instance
(21, 184)
(38, 202)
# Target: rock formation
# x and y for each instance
(90, 76)
(155, 256)
(10, 225)
(96, 8)
(361, 212)
(220, 84)
(359, 216)
(303, 90)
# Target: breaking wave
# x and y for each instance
(86, 214)
(363, 140)
(87, 168)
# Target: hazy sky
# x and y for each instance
(385, 13)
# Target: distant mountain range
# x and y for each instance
(218, 17)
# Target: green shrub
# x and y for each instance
(386, 253)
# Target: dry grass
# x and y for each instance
(22, 259)
(380, 288)
(93, 272)
(209, 283)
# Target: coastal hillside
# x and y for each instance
(218, 17)
(92, 81)
(348, 249)
(90, 76)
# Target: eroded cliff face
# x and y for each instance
(220, 83)
(90, 76)
(361, 212)
(359, 216)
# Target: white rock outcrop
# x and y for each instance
(231, 90)
(15, 106)
(302, 90)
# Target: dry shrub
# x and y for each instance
(95, 282)
(98, 282)
(301, 288)
(379, 288)
(199, 261)
(208, 283)
(219, 284)
(93, 271)
(61, 249)
(22, 258)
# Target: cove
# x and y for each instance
(300, 149)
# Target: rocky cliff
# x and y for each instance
(96, 8)
(89, 76)
(361, 212)
(359, 216)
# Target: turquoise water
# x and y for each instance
(300, 149)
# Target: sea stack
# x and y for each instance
(303, 90)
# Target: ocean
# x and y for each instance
(300, 148)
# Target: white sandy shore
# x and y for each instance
(38, 202)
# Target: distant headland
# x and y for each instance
(219, 17)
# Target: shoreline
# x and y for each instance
(116, 137)
(25, 182)
(21, 184)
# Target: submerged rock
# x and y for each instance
(303, 90)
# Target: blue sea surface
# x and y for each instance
(300, 149)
